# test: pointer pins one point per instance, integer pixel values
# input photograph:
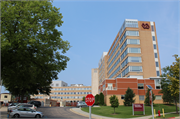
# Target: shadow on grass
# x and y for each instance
(116, 113)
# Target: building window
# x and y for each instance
(122, 97)
(74, 92)
(134, 59)
(95, 71)
(132, 33)
(84, 92)
(155, 54)
(103, 87)
(154, 46)
(110, 86)
(141, 97)
(140, 86)
(51, 84)
(5, 96)
(152, 28)
(157, 64)
(61, 93)
(157, 84)
(135, 68)
(153, 37)
(158, 97)
(57, 84)
(157, 73)
(134, 50)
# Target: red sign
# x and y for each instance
(145, 26)
(89, 99)
(138, 107)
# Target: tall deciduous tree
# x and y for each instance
(172, 76)
(114, 102)
(32, 51)
(128, 99)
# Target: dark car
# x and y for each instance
(36, 103)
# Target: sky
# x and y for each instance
(91, 27)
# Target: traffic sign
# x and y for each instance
(89, 99)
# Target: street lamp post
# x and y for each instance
(151, 100)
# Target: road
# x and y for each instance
(59, 112)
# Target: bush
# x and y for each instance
(101, 99)
(97, 99)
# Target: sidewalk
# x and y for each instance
(80, 112)
(3, 113)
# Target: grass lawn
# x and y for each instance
(126, 111)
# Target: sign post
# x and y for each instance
(151, 100)
(138, 107)
(89, 99)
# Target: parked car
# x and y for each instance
(81, 104)
(36, 103)
(25, 112)
(31, 106)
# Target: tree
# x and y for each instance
(83, 99)
(171, 74)
(166, 92)
(114, 102)
(32, 50)
(101, 99)
(128, 99)
(96, 99)
(147, 100)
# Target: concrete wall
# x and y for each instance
(95, 81)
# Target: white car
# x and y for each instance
(22, 105)
(25, 112)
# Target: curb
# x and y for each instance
(78, 113)
(84, 114)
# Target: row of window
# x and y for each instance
(130, 41)
(127, 33)
(114, 66)
(114, 52)
(141, 97)
(114, 45)
(130, 50)
(71, 89)
(131, 69)
(128, 24)
(69, 93)
(130, 59)
(114, 59)
(67, 97)
(115, 72)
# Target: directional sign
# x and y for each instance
(89, 99)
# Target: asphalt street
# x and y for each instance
(59, 112)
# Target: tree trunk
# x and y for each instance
(22, 96)
(176, 106)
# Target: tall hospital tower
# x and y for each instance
(132, 61)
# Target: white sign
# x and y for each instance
(5, 101)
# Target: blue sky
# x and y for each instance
(91, 27)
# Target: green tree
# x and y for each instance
(96, 99)
(147, 100)
(32, 50)
(83, 99)
(171, 74)
(101, 99)
(166, 92)
(114, 102)
(128, 99)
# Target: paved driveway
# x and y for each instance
(60, 112)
